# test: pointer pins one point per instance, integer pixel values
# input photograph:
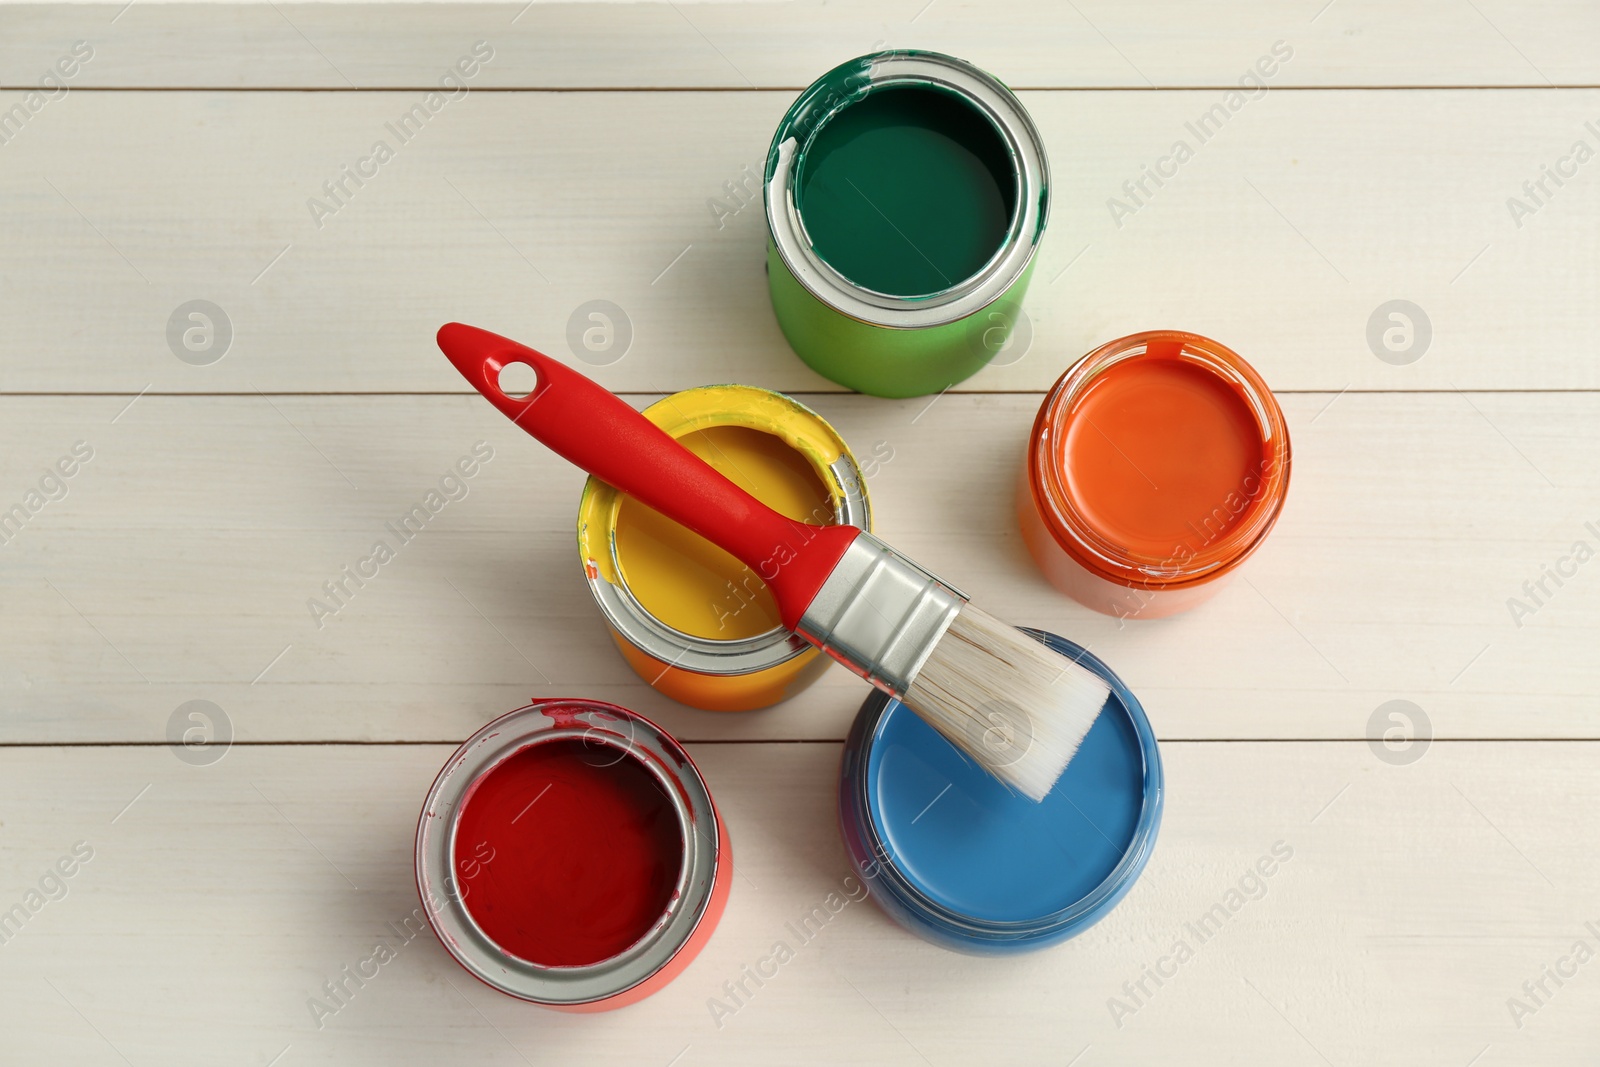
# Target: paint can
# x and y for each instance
(569, 854)
(1157, 464)
(690, 619)
(906, 193)
(955, 857)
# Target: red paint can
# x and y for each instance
(570, 854)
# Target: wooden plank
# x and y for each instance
(786, 45)
(224, 897)
(180, 564)
(514, 210)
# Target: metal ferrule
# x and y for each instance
(880, 614)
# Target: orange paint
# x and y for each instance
(1158, 463)
(1153, 447)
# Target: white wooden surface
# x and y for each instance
(1283, 234)
(787, 43)
(192, 541)
(1422, 894)
(227, 895)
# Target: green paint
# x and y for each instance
(906, 190)
(883, 361)
(940, 189)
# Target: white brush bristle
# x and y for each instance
(1010, 702)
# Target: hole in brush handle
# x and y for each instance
(517, 380)
(497, 367)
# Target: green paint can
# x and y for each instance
(906, 194)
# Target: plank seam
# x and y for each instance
(1585, 390)
(1219, 87)
(801, 741)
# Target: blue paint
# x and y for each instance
(952, 854)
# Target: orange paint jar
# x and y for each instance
(1158, 463)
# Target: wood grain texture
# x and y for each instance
(1282, 236)
(1429, 883)
(219, 903)
(181, 561)
(1038, 43)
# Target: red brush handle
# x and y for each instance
(587, 425)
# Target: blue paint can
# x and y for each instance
(955, 857)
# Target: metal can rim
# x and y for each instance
(542, 722)
(846, 84)
(751, 407)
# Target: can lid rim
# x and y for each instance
(1078, 536)
(846, 84)
(753, 408)
(541, 722)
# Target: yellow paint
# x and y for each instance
(782, 453)
(691, 584)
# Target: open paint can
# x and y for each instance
(569, 854)
(906, 194)
(691, 620)
(1158, 463)
(954, 856)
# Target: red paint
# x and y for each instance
(583, 852)
(1159, 455)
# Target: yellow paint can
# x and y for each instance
(690, 619)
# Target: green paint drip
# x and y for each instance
(906, 191)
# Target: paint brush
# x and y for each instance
(1015, 706)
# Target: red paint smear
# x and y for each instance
(1162, 452)
(567, 854)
